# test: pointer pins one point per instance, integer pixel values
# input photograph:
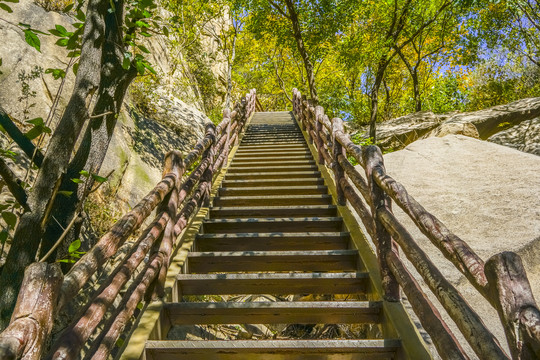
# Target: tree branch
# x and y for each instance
(24, 143)
(14, 184)
(279, 9)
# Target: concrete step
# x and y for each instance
(275, 225)
(272, 200)
(282, 312)
(273, 211)
(272, 283)
(272, 241)
(274, 190)
(257, 261)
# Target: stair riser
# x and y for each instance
(309, 313)
(273, 243)
(208, 264)
(266, 183)
(247, 176)
(274, 227)
(233, 170)
(266, 163)
(272, 201)
(275, 191)
(269, 212)
(271, 287)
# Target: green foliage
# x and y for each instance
(73, 253)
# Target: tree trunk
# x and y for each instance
(416, 90)
(91, 153)
(297, 32)
(229, 71)
(375, 99)
(30, 229)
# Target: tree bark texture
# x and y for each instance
(297, 33)
(32, 320)
(31, 225)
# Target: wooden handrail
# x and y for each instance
(176, 201)
(502, 280)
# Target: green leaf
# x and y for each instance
(10, 218)
(143, 49)
(62, 30)
(84, 173)
(27, 26)
(80, 15)
(6, 8)
(69, 261)
(56, 73)
(74, 246)
(55, 32)
(99, 179)
(3, 236)
(74, 54)
(145, 34)
(113, 8)
(62, 42)
(11, 1)
(32, 39)
(166, 31)
(34, 132)
(126, 63)
(142, 24)
(77, 181)
(140, 67)
(78, 25)
(65, 193)
(149, 67)
(68, 8)
(75, 68)
(37, 121)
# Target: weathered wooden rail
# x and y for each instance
(176, 198)
(501, 280)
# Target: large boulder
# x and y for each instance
(485, 193)
(524, 137)
(397, 133)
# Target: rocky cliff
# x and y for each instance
(154, 118)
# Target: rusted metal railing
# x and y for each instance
(176, 199)
(502, 280)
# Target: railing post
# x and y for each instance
(32, 320)
(337, 149)
(319, 113)
(227, 115)
(373, 161)
(304, 112)
(208, 174)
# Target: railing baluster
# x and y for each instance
(337, 150)
(379, 199)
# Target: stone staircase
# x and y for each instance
(274, 229)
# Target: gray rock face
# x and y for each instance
(485, 193)
(17, 57)
(524, 137)
(140, 141)
(397, 133)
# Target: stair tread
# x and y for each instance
(272, 220)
